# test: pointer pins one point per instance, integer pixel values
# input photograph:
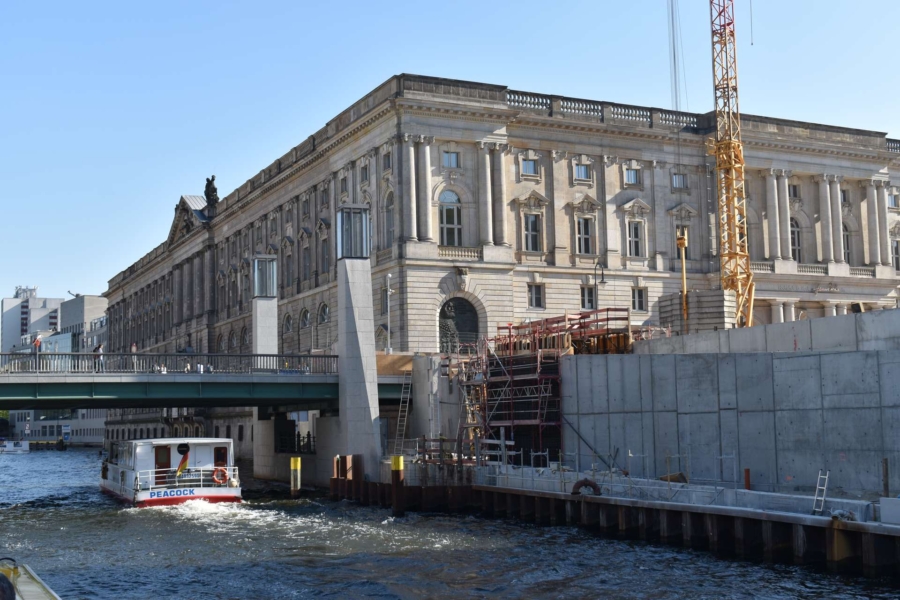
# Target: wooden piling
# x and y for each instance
(398, 500)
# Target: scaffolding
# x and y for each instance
(510, 384)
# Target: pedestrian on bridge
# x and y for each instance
(133, 357)
(99, 365)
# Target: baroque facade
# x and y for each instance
(492, 206)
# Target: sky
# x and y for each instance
(109, 112)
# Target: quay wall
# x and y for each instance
(782, 415)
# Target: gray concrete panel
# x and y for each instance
(568, 385)
(757, 447)
(889, 377)
(798, 435)
(663, 380)
(698, 439)
(649, 449)
(626, 434)
(583, 367)
(752, 339)
(754, 381)
(797, 382)
(795, 336)
(646, 366)
(834, 333)
(706, 342)
(697, 382)
(599, 392)
(624, 382)
(728, 428)
(666, 436)
(727, 382)
(879, 330)
(850, 379)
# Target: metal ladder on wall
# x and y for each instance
(405, 393)
(821, 490)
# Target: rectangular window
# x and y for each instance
(535, 295)
(893, 201)
(635, 243)
(585, 228)
(326, 261)
(305, 263)
(386, 161)
(532, 233)
(679, 181)
(529, 167)
(343, 185)
(794, 191)
(895, 254)
(582, 172)
(306, 207)
(587, 298)
(450, 160)
(364, 173)
(632, 177)
(682, 230)
(845, 196)
(639, 299)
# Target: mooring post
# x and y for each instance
(398, 505)
(885, 478)
(295, 477)
(746, 479)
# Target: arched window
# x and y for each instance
(324, 314)
(228, 431)
(177, 431)
(304, 319)
(846, 234)
(154, 432)
(388, 239)
(141, 434)
(232, 341)
(288, 324)
(245, 337)
(240, 433)
(216, 431)
(197, 431)
(220, 344)
(795, 241)
(450, 222)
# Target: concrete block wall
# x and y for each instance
(783, 416)
(878, 330)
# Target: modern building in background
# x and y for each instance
(86, 426)
(85, 318)
(26, 313)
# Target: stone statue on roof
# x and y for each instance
(211, 193)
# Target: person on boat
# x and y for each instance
(7, 592)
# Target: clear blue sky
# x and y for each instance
(112, 110)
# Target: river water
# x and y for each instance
(84, 545)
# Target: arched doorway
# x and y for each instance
(458, 325)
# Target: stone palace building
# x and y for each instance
(492, 206)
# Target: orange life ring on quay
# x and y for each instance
(220, 471)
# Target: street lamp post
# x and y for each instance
(387, 348)
(597, 283)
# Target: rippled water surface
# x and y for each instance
(84, 545)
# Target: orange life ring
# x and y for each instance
(215, 475)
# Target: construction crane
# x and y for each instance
(729, 151)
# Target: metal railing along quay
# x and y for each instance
(234, 364)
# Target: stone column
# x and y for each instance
(842, 309)
(409, 189)
(872, 221)
(784, 215)
(789, 312)
(188, 288)
(837, 219)
(199, 281)
(825, 217)
(777, 311)
(424, 204)
(884, 238)
(499, 195)
(772, 215)
(485, 209)
(208, 280)
(179, 294)
(830, 309)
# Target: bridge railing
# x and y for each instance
(86, 363)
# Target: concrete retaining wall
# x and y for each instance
(783, 416)
(879, 330)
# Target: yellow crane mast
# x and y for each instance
(729, 151)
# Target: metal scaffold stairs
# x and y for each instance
(405, 393)
(821, 490)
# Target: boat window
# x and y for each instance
(220, 456)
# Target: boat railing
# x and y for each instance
(167, 479)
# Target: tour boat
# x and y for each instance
(26, 583)
(14, 447)
(171, 471)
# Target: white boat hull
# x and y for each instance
(9, 447)
(169, 497)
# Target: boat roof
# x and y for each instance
(170, 441)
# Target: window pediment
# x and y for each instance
(533, 201)
(305, 234)
(287, 242)
(322, 226)
(683, 212)
(585, 205)
(635, 208)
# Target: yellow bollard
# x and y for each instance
(295, 477)
(398, 500)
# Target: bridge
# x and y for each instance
(86, 380)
